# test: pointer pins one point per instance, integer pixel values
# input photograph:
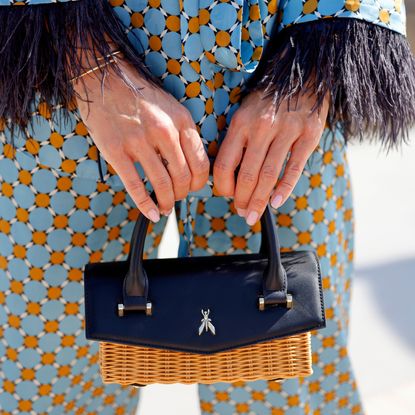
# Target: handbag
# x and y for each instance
(239, 317)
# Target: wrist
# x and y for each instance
(102, 63)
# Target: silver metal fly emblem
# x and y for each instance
(206, 323)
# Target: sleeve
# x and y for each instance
(30, 2)
(44, 46)
(354, 50)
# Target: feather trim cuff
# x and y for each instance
(369, 72)
(42, 48)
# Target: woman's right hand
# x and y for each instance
(152, 128)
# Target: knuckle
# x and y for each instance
(221, 166)
(312, 131)
(143, 200)
(237, 117)
(262, 124)
(240, 119)
(269, 172)
(134, 186)
(185, 116)
(203, 166)
(162, 182)
(112, 150)
(183, 178)
(167, 132)
(302, 145)
(246, 177)
(286, 185)
(257, 204)
(131, 140)
(295, 168)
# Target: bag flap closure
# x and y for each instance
(203, 304)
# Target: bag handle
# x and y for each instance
(136, 283)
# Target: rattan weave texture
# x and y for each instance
(282, 358)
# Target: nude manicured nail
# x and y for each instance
(276, 202)
(241, 212)
(167, 213)
(153, 215)
(252, 218)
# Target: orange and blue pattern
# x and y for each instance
(56, 215)
(213, 15)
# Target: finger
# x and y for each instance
(135, 188)
(300, 152)
(196, 156)
(228, 158)
(175, 162)
(248, 177)
(159, 178)
(268, 176)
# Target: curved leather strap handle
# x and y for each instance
(136, 283)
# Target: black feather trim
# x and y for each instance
(369, 72)
(43, 47)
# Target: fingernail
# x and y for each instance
(241, 212)
(252, 218)
(154, 215)
(167, 213)
(276, 202)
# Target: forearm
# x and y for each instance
(43, 47)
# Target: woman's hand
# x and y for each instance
(153, 129)
(267, 138)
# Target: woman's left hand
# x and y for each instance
(267, 137)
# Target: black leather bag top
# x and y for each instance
(204, 304)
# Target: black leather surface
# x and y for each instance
(180, 288)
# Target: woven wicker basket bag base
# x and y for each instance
(283, 358)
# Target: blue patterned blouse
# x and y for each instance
(355, 49)
(386, 13)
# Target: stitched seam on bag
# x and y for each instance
(317, 326)
(320, 286)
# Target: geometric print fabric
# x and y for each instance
(51, 225)
(56, 215)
